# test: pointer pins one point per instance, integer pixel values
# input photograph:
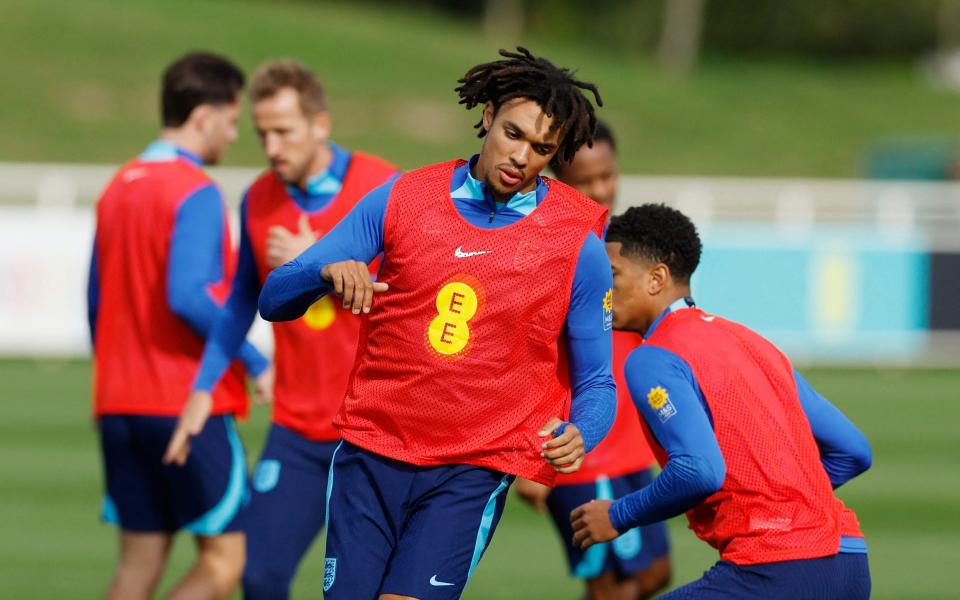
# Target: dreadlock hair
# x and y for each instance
(554, 89)
(660, 234)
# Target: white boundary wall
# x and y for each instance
(46, 227)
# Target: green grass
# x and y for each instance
(54, 547)
(80, 85)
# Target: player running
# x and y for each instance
(489, 313)
(637, 564)
(162, 263)
(749, 449)
(312, 184)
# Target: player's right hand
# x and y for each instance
(263, 385)
(351, 281)
(191, 422)
(533, 493)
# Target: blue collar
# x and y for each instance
(678, 304)
(465, 187)
(162, 150)
(329, 181)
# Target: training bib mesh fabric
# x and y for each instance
(314, 354)
(460, 361)
(147, 356)
(776, 502)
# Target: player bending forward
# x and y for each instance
(489, 314)
(749, 450)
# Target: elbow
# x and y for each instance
(701, 476)
(714, 474)
(179, 303)
(706, 475)
(268, 309)
(862, 455)
(267, 312)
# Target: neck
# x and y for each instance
(183, 138)
(321, 162)
(663, 302)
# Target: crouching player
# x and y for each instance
(749, 449)
(637, 564)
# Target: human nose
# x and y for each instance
(520, 155)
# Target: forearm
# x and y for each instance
(685, 482)
(226, 340)
(290, 289)
(93, 295)
(844, 450)
(593, 411)
(589, 344)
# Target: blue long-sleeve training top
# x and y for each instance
(695, 467)
(292, 288)
(238, 312)
(195, 260)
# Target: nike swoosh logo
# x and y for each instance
(437, 583)
(459, 253)
(708, 319)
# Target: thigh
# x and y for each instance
(454, 513)
(135, 498)
(209, 491)
(837, 577)
(287, 503)
(855, 573)
(724, 581)
(365, 510)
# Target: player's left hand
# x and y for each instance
(591, 524)
(192, 419)
(284, 245)
(263, 385)
(565, 452)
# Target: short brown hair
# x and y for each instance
(194, 79)
(273, 76)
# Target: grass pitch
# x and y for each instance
(53, 545)
(79, 84)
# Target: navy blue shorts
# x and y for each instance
(837, 577)
(630, 553)
(286, 511)
(396, 528)
(205, 496)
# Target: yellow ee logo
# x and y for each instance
(458, 301)
(321, 314)
(657, 398)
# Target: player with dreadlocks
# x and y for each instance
(485, 350)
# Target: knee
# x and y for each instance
(144, 568)
(141, 562)
(606, 587)
(655, 578)
(223, 559)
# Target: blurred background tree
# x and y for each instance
(834, 28)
